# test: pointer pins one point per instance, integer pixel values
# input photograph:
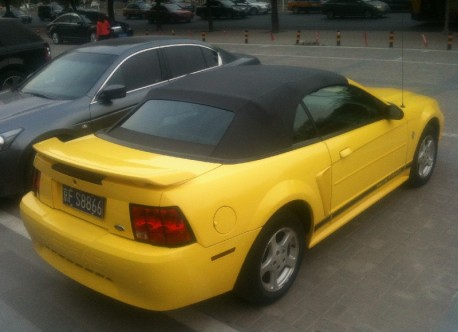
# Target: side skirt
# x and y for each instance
(358, 205)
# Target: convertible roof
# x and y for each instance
(237, 88)
(263, 99)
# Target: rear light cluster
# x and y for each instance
(162, 226)
(36, 182)
(48, 56)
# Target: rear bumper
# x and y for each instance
(139, 274)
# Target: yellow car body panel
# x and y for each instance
(334, 179)
(135, 273)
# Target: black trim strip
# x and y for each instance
(79, 173)
(361, 196)
(222, 254)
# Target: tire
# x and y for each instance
(93, 37)
(424, 159)
(56, 38)
(28, 172)
(10, 79)
(273, 261)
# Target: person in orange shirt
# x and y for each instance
(103, 28)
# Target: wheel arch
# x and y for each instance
(303, 211)
(302, 198)
(434, 123)
(15, 67)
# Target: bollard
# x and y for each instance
(173, 32)
(449, 41)
(246, 36)
(425, 40)
(366, 43)
(298, 37)
(391, 39)
(338, 38)
(146, 32)
(203, 36)
(317, 38)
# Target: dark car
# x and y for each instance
(221, 9)
(50, 11)
(399, 5)
(18, 14)
(349, 8)
(91, 87)
(185, 4)
(81, 27)
(21, 52)
(169, 12)
(136, 9)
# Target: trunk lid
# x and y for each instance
(96, 180)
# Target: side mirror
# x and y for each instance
(115, 91)
(394, 112)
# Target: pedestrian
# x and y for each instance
(103, 28)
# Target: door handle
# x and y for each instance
(345, 152)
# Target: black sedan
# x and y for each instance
(81, 27)
(350, 8)
(89, 88)
(169, 12)
(221, 9)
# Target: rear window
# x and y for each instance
(186, 122)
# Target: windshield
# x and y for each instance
(172, 6)
(70, 76)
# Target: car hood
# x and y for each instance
(13, 103)
(95, 155)
(411, 103)
(394, 96)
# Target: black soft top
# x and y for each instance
(263, 99)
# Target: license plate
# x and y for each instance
(83, 201)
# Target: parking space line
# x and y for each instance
(13, 223)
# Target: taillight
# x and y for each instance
(162, 226)
(36, 182)
(48, 53)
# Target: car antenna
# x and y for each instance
(402, 61)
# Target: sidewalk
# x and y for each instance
(379, 39)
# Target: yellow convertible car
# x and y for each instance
(220, 181)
